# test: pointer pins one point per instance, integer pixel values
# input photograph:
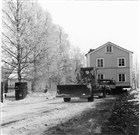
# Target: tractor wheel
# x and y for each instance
(104, 94)
(66, 99)
(90, 99)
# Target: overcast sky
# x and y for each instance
(90, 24)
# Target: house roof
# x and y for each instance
(5, 73)
(14, 75)
(108, 43)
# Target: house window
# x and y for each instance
(122, 78)
(109, 49)
(101, 76)
(121, 62)
(100, 62)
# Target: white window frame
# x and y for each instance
(97, 62)
(111, 49)
(121, 77)
(100, 75)
(124, 61)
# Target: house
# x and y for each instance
(112, 62)
(12, 79)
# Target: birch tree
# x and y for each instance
(24, 27)
(16, 21)
(135, 74)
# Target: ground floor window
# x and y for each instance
(101, 76)
(122, 77)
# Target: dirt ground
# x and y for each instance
(43, 116)
(89, 122)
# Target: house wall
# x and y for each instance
(110, 58)
(11, 84)
(111, 69)
(88, 61)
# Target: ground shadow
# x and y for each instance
(75, 100)
(72, 101)
(79, 125)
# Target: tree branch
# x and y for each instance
(8, 26)
(9, 39)
(12, 21)
(9, 63)
(9, 51)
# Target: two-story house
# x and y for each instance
(112, 62)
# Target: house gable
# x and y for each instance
(110, 59)
(106, 44)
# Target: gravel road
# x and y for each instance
(36, 116)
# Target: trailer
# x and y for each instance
(86, 86)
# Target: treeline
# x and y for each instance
(35, 48)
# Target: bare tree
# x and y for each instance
(25, 27)
(68, 60)
(16, 51)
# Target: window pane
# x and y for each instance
(101, 63)
(102, 76)
(110, 49)
(98, 63)
(122, 62)
(123, 77)
(98, 76)
(119, 62)
(119, 77)
(107, 48)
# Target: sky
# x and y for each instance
(91, 24)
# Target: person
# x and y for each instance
(46, 89)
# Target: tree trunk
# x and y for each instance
(19, 76)
(35, 72)
(18, 45)
(2, 92)
(33, 84)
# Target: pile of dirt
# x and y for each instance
(124, 119)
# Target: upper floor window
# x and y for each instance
(121, 62)
(109, 49)
(100, 62)
(122, 78)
